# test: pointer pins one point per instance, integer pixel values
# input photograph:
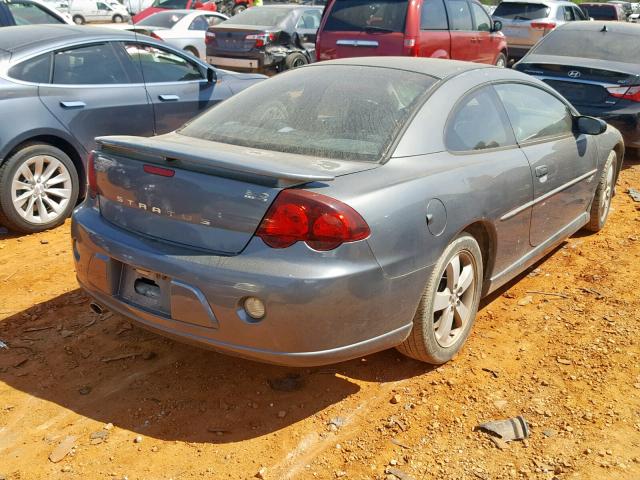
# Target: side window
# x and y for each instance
(529, 121)
(433, 16)
(560, 13)
(36, 70)
(90, 65)
(31, 14)
(478, 123)
(568, 14)
(102, 6)
(199, 23)
(213, 20)
(577, 13)
(159, 65)
(309, 20)
(459, 15)
(482, 20)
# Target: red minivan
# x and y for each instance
(455, 29)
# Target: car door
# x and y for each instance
(563, 163)
(434, 39)
(463, 38)
(94, 92)
(487, 51)
(176, 84)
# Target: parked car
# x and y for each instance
(525, 22)
(626, 6)
(269, 227)
(76, 83)
(161, 5)
(589, 63)
(603, 11)
(83, 11)
(455, 29)
(266, 39)
(30, 12)
(183, 29)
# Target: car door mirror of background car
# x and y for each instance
(497, 26)
(212, 75)
(590, 125)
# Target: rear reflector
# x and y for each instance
(163, 172)
(627, 93)
(543, 25)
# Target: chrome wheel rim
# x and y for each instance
(605, 200)
(41, 189)
(453, 303)
(501, 62)
(298, 63)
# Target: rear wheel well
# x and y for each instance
(485, 237)
(619, 149)
(63, 145)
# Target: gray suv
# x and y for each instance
(524, 22)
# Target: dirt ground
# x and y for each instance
(567, 359)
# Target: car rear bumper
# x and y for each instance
(251, 61)
(321, 308)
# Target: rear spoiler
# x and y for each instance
(230, 161)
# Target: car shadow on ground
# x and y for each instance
(106, 369)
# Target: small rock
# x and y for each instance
(525, 301)
(149, 355)
(63, 448)
(108, 426)
(66, 468)
(44, 242)
(66, 333)
(340, 473)
(393, 462)
(337, 422)
(84, 390)
(549, 432)
(261, 473)
(154, 449)
(563, 361)
(499, 443)
(395, 399)
(138, 439)
(282, 413)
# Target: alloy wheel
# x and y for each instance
(41, 189)
(454, 298)
(605, 200)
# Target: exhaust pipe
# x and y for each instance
(96, 308)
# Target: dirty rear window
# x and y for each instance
(322, 111)
(269, 16)
(366, 15)
(590, 44)
(521, 11)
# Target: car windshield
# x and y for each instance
(266, 16)
(521, 11)
(170, 4)
(162, 19)
(322, 111)
(610, 46)
(367, 15)
(600, 12)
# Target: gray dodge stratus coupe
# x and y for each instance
(342, 208)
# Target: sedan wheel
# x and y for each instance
(39, 187)
(601, 204)
(448, 305)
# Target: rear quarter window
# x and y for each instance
(35, 70)
(521, 11)
(363, 15)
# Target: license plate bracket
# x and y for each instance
(146, 289)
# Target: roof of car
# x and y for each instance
(13, 39)
(596, 26)
(434, 67)
(544, 2)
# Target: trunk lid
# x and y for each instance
(233, 38)
(582, 84)
(216, 196)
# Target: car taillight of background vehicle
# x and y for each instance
(209, 37)
(262, 39)
(322, 222)
(627, 93)
(92, 181)
(155, 35)
(543, 25)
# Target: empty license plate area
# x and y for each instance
(145, 289)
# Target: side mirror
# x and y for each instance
(212, 75)
(497, 26)
(590, 125)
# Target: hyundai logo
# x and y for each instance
(574, 74)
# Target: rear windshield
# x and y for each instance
(270, 16)
(600, 12)
(322, 111)
(367, 15)
(521, 11)
(162, 19)
(590, 44)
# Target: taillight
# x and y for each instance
(209, 37)
(628, 93)
(543, 25)
(156, 36)
(322, 222)
(262, 39)
(163, 172)
(410, 46)
(91, 175)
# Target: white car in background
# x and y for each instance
(183, 29)
(83, 11)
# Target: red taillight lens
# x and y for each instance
(324, 223)
(156, 36)
(91, 176)
(543, 25)
(628, 93)
(163, 172)
(262, 39)
(209, 37)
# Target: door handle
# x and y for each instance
(169, 98)
(72, 104)
(542, 171)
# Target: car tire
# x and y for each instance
(501, 61)
(117, 19)
(49, 204)
(78, 20)
(601, 204)
(447, 309)
(238, 8)
(295, 60)
(192, 51)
